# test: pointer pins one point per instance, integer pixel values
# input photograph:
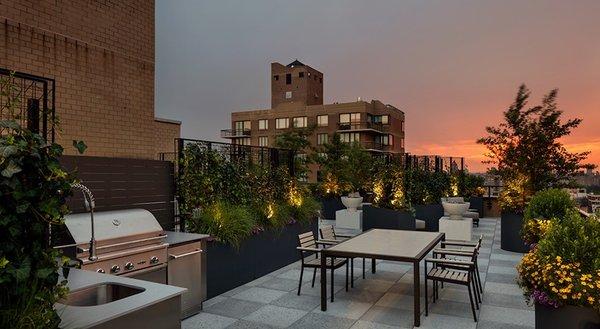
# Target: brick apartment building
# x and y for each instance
(297, 102)
(101, 56)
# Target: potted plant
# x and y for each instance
(526, 152)
(561, 275)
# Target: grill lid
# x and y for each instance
(112, 224)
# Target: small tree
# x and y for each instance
(297, 140)
(526, 147)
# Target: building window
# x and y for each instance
(344, 117)
(320, 80)
(300, 122)
(322, 120)
(349, 117)
(288, 79)
(350, 137)
(243, 141)
(386, 140)
(402, 142)
(402, 126)
(263, 124)
(263, 141)
(288, 94)
(301, 75)
(383, 119)
(241, 126)
(322, 139)
(282, 123)
(276, 77)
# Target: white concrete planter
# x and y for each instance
(455, 210)
(352, 203)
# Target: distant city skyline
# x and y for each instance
(451, 66)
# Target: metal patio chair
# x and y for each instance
(328, 234)
(309, 247)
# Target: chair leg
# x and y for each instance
(300, 283)
(475, 293)
(426, 297)
(471, 300)
(332, 270)
(478, 277)
(314, 276)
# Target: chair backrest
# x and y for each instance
(327, 232)
(306, 240)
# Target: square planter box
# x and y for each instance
(572, 317)
(263, 253)
(510, 233)
(431, 214)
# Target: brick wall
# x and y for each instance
(101, 54)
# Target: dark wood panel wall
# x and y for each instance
(119, 183)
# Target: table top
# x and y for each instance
(388, 244)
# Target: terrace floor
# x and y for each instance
(382, 300)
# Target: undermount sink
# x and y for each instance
(100, 294)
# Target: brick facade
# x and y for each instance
(101, 54)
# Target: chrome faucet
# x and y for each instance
(90, 205)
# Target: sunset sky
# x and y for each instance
(451, 66)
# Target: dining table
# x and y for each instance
(392, 245)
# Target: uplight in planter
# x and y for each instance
(270, 211)
(378, 190)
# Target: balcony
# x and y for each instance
(362, 126)
(374, 146)
(235, 133)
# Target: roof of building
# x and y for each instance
(295, 63)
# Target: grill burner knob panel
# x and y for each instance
(115, 269)
(100, 270)
(129, 266)
(153, 260)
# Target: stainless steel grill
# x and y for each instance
(128, 242)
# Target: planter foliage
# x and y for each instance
(33, 188)
(564, 268)
(232, 199)
(545, 207)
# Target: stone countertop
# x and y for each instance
(87, 316)
(176, 238)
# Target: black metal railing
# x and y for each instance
(232, 133)
(362, 125)
(29, 100)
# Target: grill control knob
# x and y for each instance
(129, 266)
(153, 260)
(100, 270)
(115, 269)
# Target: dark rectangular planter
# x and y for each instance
(374, 217)
(228, 268)
(572, 317)
(431, 214)
(477, 204)
(510, 233)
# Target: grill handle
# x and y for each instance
(123, 243)
(197, 251)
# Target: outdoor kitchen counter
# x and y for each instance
(89, 316)
(176, 238)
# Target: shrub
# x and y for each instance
(227, 222)
(307, 210)
(549, 203)
(33, 189)
(545, 206)
(564, 268)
